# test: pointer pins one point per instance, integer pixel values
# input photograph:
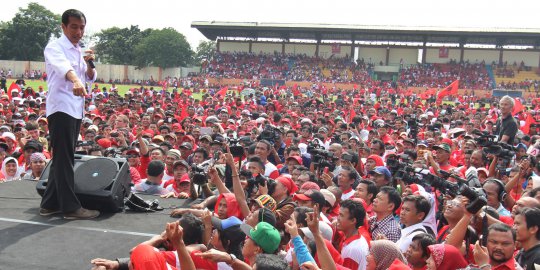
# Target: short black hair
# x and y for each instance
(533, 192)
(532, 217)
(270, 262)
(502, 227)
(371, 188)
(155, 168)
(72, 13)
(193, 229)
(393, 196)
(258, 161)
(356, 210)
(203, 152)
(302, 215)
(159, 149)
(425, 240)
(420, 203)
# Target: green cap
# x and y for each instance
(264, 235)
(443, 146)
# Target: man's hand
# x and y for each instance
(327, 179)
(312, 220)
(175, 233)
(207, 218)
(179, 212)
(89, 55)
(215, 256)
(309, 266)
(78, 88)
(105, 264)
(168, 195)
(229, 159)
(481, 255)
(291, 227)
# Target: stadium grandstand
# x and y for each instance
(490, 61)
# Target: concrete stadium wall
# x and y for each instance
(432, 55)
(325, 51)
(409, 56)
(478, 55)
(530, 58)
(266, 48)
(233, 46)
(307, 49)
(372, 54)
(105, 72)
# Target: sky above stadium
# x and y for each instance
(180, 13)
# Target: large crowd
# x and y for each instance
(290, 178)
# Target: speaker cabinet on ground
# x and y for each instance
(100, 183)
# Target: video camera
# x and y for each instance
(199, 172)
(505, 152)
(234, 146)
(85, 143)
(321, 158)
(270, 134)
(253, 184)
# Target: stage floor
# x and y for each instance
(30, 241)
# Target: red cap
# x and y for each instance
(104, 142)
(288, 183)
(149, 132)
(297, 158)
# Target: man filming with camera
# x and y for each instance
(507, 126)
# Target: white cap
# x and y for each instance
(325, 229)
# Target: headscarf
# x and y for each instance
(447, 257)
(4, 172)
(148, 257)
(385, 252)
(38, 156)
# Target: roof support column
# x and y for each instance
(217, 45)
(387, 56)
(500, 55)
(317, 48)
(250, 46)
(461, 51)
(352, 50)
(424, 52)
(283, 47)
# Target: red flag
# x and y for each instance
(11, 87)
(528, 121)
(518, 107)
(450, 90)
(352, 114)
(223, 91)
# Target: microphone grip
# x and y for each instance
(91, 63)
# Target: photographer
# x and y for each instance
(499, 251)
(507, 126)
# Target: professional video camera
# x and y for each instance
(477, 198)
(413, 127)
(269, 133)
(321, 158)
(234, 146)
(199, 172)
(505, 152)
(253, 184)
(85, 143)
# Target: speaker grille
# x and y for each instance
(95, 175)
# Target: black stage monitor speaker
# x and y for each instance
(100, 183)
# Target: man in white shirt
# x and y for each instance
(414, 210)
(68, 72)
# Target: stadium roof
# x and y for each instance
(347, 32)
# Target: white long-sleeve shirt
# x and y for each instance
(62, 56)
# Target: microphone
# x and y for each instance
(90, 62)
